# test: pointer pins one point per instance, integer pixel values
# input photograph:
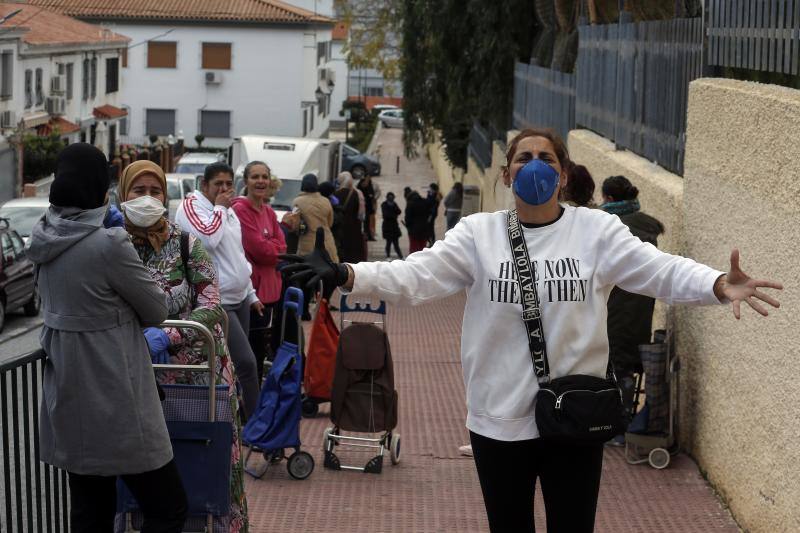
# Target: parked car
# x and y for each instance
(378, 108)
(196, 162)
(179, 186)
(17, 287)
(392, 118)
(23, 213)
(359, 164)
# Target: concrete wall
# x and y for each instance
(741, 394)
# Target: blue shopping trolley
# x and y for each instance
(275, 425)
(200, 424)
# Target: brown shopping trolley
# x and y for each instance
(363, 398)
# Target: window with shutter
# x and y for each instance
(85, 80)
(124, 55)
(215, 124)
(160, 122)
(28, 88)
(217, 56)
(7, 72)
(93, 82)
(112, 75)
(162, 54)
(39, 88)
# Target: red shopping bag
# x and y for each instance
(321, 354)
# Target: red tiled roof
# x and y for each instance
(46, 27)
(106, 112)
(193, 10)
(64, 127)
(340, 32)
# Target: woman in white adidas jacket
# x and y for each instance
(579, 255)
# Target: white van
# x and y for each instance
(289, 158)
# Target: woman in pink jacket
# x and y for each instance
(263, 241)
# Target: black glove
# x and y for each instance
(315, 267)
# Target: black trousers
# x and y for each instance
(260, 338)
(160, 494)
(569, 476)
(396, 243)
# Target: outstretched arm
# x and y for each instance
(433, 273)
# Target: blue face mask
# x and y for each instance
(536, 182)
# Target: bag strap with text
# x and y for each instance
(531, 311)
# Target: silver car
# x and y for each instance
(391, 118)
(23, 213)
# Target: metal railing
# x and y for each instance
(544, 97)
(33, 495)
(754, 34)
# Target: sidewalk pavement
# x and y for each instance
(434, 489)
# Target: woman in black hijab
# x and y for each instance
(100, 414)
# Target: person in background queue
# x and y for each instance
(580, 255)
(350, 233)
(390, 212)
(579, 190)
(417, 220)
(630, 316)
(263, 241)
(100, 413)
(207, 215)
(434, 198)
(371, 193)
(452, 205)
(317, 212)
(192, 292)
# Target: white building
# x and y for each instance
(56, 73)
(218, 68)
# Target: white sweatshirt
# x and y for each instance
(219, 230)
(578, 260)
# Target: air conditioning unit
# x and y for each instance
(56, 106)
(213, 78)
(8, 119)
(57, 85)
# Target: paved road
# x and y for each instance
(20, 335)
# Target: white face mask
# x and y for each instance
(143, 211)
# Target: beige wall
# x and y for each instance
(741, 415)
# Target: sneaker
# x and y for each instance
(465, 450)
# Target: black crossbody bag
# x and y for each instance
(575, 409)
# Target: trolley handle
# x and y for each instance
(292, 299)
(207, 339)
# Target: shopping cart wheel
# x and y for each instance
(310, 408)
(300, 465)
(658, 458)
(394, 448)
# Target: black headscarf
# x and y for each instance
(309, 183)
(82, 177)
(326, 189)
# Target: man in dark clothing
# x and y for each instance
(417, 220)
(433, 199)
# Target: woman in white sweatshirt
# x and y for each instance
(578, 256)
